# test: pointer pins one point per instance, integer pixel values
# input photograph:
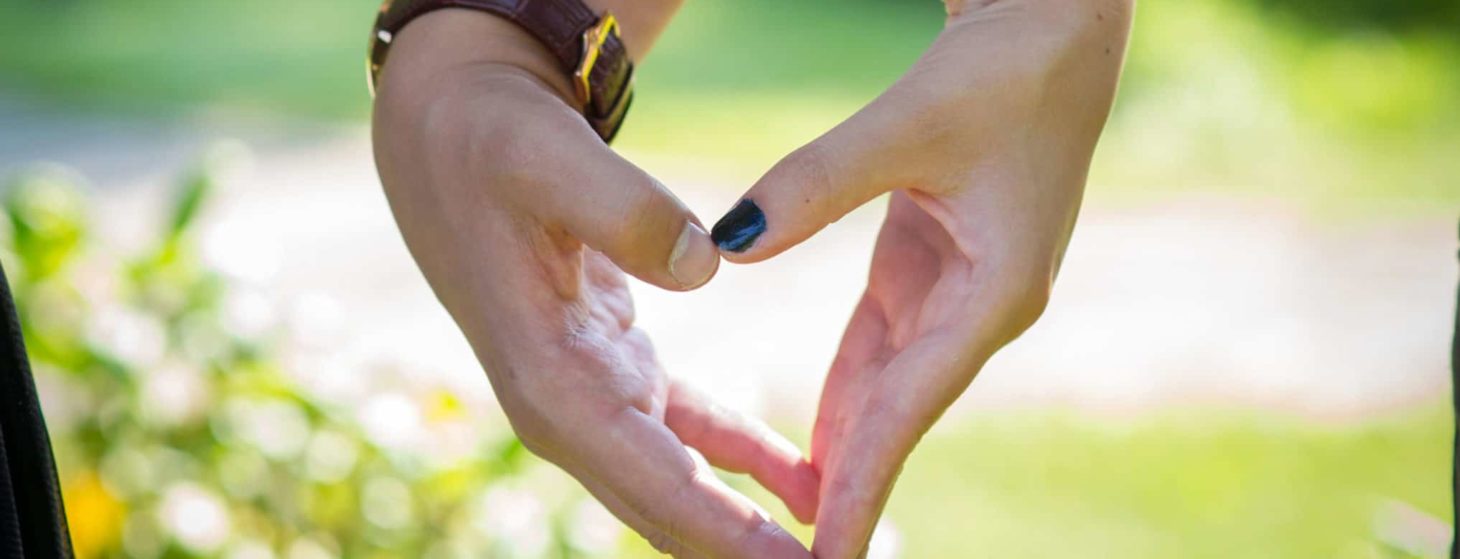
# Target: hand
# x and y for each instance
(985, 145)
(521, 219)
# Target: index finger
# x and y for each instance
(739, 444)
(641, 461)
(900, 406)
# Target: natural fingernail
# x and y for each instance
(694, 258)
(739, 228)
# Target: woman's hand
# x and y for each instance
(521, 219)
(985, 144)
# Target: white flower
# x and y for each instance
(391, 420)
(195, 517)
(173, 395)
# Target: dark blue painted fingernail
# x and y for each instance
(739, 228)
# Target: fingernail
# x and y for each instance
(694, 257)
(739, 228)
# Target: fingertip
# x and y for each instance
(740, 228)
(751, 233)
(808, 494)
(694, 258)
(798, 487)
(790, 476)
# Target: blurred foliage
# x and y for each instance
(166, 56)
(1220, 96)
(181, 433)
(1343, 103)
(1433, 15)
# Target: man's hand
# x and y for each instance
(985, 145)
(521, 219)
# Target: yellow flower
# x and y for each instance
(445, 406)
(95, 515)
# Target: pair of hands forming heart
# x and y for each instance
(522, 219)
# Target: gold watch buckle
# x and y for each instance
(593, 40)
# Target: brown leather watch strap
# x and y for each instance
(588, 47)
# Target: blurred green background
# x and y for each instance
(1334, 102)
(1344, 109)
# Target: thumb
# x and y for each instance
(614, 207)
(811, 188)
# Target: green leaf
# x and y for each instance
(191, 193)
(47, 216)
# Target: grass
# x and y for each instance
(1194, 486)
(1191, 484)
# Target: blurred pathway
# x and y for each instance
(1197, 299)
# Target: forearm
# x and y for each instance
(641, 21)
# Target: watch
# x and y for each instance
(588, 48)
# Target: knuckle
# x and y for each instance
(751, 534)
(533, 426)
(533, 442)
(1017, 299)
(628, 395)
(663, 543)
(638, 207)
(652, 221)
(1029, 303)
(658, 508)
(856, 495)
(511, 155)
(887, 406)
(535, 412)
(664, 515)
(611, 383)
(809, 168)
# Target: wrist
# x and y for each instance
(436, 46)
(587, 45)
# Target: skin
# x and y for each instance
(524, 224)
(984, 145)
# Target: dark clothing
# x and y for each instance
(32, 520)
(1455, 459)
